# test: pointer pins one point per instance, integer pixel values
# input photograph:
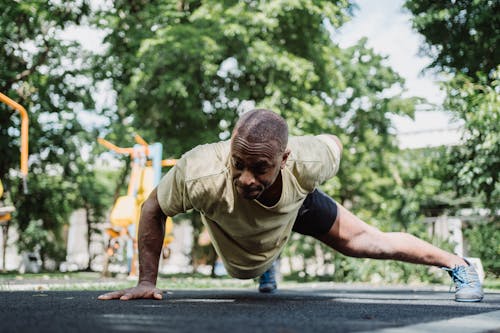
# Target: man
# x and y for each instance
(253, 190)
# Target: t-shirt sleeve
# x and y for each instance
(330, 157)
(314, 160)
(172, 194)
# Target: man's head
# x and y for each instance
(258, 151)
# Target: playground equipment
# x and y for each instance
(145, 175)
(6, 211)
(24, 137)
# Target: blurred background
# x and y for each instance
(410, 87)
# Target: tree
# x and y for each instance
(199, 63)
(462, 36)
(185, 73)
(183, 76)
(476, 162)
(96, 196)
(46, 75)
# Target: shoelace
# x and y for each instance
(459, 276)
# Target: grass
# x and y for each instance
(198, 281)
(94, 281)
(492, 284)
(13, 275)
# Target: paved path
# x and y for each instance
(289, 310)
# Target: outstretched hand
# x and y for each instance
(142, 290)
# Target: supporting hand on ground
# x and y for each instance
(142, 290)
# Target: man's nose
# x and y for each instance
(247, 178)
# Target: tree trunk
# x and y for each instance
(121, 182)
(89, 235)
(5, 233)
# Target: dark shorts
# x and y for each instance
(316, 215)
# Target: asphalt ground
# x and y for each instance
(297, 309)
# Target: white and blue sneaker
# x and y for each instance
(468, 286)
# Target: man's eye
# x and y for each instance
(261, 170)
(238, 165)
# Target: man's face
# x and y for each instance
(255, 166)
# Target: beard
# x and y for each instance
(249, 192)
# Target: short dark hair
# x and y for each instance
(261, 125)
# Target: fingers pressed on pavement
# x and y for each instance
(111, 295)
(133, 293)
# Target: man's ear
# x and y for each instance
(285, 158)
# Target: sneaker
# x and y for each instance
(467, 284)
(267, 281)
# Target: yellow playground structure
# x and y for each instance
(146, 164)
(5, 211)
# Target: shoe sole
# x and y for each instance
(469, 300)
(268, 291)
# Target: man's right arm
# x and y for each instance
(337, 141)
(151, 233)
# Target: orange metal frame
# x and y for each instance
(24, 132)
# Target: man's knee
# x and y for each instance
(367, 242)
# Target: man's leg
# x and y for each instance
(267, 281)
(351, 236)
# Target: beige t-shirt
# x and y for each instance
(247, 235)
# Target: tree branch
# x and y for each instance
(27, 72)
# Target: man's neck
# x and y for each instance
(272, 195)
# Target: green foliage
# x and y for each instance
(32, 73)
(183, 71)
(477, 161)
(424, 185)
(38, 238)
(182, 78)
(49, 77)
(198, 63)
(462, 36)
(483, 240)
